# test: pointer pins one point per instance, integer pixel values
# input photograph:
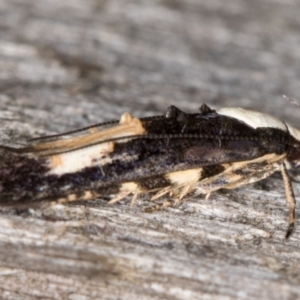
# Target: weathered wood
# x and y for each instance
(67, 64)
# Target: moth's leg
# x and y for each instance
(120, 196)
(240, 173)
(120, 192)
(229, 179)
(233, 178)
(253, 177)
(160, 206)
(161, 192)
(290, 198)
(143, 186)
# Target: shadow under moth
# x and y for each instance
(172, 154)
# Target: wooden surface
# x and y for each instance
(67, 64)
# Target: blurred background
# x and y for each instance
(81, 61)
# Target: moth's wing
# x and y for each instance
(90, 129)
(143, 153)
(207, 179)
(127, 126)
(80, 131)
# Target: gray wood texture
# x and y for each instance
(67, 64)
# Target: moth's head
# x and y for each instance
(294, 157)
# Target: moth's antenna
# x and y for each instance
(291, 101)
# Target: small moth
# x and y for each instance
(176, 153)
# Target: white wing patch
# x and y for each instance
(253, 118)
(74, 161)
(77, 153)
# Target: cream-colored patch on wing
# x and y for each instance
(77, 160)
(129, 187)
(184, 177)
(126, 118)
(86, 195)
(182, 183)
(252, 118)
(129, 126)
(126, 189)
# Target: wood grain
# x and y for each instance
(67, 64)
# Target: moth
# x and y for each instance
(171, 154)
